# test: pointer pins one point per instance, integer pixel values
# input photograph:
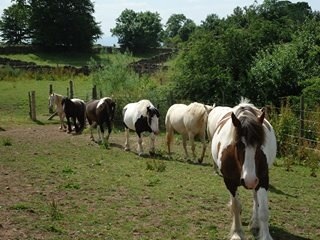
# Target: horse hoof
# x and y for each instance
(200, 161)
(127, 149)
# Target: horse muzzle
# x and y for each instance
(250, 183)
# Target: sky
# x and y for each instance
(107, 11)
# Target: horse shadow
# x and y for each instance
(275, 190)
(280, 234)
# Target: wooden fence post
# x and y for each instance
(94, 92)
(32, 105)
(50, 92)
(301, 118)
(71, 88)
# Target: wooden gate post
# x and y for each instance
(50, 92)
(32, 105)
(94, 92)
(71, 88)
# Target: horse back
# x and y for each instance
(195, 118)
(174, 118)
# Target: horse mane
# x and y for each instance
(251, 128)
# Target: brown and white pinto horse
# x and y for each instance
(189, 121)
(244, 147)
(98, 113)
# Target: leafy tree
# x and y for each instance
(138, 31)
(14, 24)
(66, 24)
(178, 29)
(276, 73)
(201, 72)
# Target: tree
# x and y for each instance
(14, 24)
(138, 31)
(64, 24)
(178, 29)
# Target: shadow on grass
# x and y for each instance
(280, 234)
(38, 122)
(159, 155)
(280, 192)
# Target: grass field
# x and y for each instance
(59, 186)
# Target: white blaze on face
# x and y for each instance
(248, 173)
(155, 124)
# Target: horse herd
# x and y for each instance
(243, 142)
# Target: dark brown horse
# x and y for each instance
(244, 147)
(100, 113)
(75, 109)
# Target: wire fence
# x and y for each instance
(297, 126)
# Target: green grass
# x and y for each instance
(73, 189)
(14, 99)
(58, 59)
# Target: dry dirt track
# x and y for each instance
(16, 186)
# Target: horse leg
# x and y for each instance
(263, 214)
(100, 133)
(184, 143)
(204, 146)
(169, 135)
(254, 224)
(236, 228)
(69, 125)
(140, 148)
(109, 131)
(152, 140)
(74, 119)
(127, 144)
(193, 147)
(62, 125)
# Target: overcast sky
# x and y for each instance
(106, 11)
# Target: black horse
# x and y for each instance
(100, 113)
(75, 109)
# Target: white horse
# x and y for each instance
(141, 117)
(190, 121)
(56, 99)
(244, 148)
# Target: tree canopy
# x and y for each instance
(51, 24)
(67, 24)
(14, 23)
(263, 52)
(138, 31)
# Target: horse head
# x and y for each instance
(51, 100)
(249, 136)
(153, 119)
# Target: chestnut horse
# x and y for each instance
(244, 148)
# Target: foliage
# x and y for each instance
(115, 76)
(66, 24)
(277, 73)
(138, 31)
(256, 52)
(178, 29)
(14, 24)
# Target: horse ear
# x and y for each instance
(261, 117)
(235, 120)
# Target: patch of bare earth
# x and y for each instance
(17, 188)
